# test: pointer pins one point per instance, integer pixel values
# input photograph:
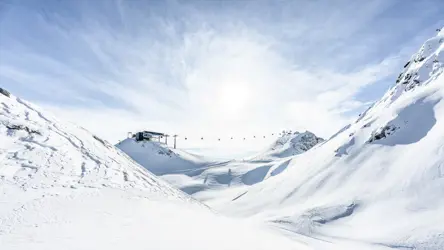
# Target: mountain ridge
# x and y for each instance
(378, 180)
(63, 187)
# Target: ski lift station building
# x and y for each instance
(148, 136)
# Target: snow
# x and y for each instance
(194, 175)
(159, 159)
(110, 219)
(63, 188)
(378, 183)
(290, 144)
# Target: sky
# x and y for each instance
(211, 69)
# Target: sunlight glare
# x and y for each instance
(233, 99)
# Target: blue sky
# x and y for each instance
(209, 68)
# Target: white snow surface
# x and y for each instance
(289, 144)
(377, 183)
(63, 188)
(193, 174)
(159, 159)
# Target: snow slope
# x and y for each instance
(159, 158)
(236, 176)
(379, 181)
(64, 188)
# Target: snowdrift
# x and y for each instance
(379, 181)
(62, 187)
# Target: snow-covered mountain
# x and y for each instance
(379, 181)
(289, 144)
(159, 159)
(204, 179)
(62, 187)
(376, 184)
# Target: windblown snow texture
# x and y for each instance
(38, 151)
(379, 181)
(376, 184)
(62, 187)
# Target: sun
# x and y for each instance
(232, 99)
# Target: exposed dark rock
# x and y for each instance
(420, 59)
(367, 125)
(5, 92)
(22, 127)
(382, 133)
(399, 78)
(407, 64)
(105, 143)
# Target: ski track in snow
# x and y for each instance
(66, 188)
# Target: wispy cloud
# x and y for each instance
(208, 68)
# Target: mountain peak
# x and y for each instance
(423, 67)
(290, 144)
